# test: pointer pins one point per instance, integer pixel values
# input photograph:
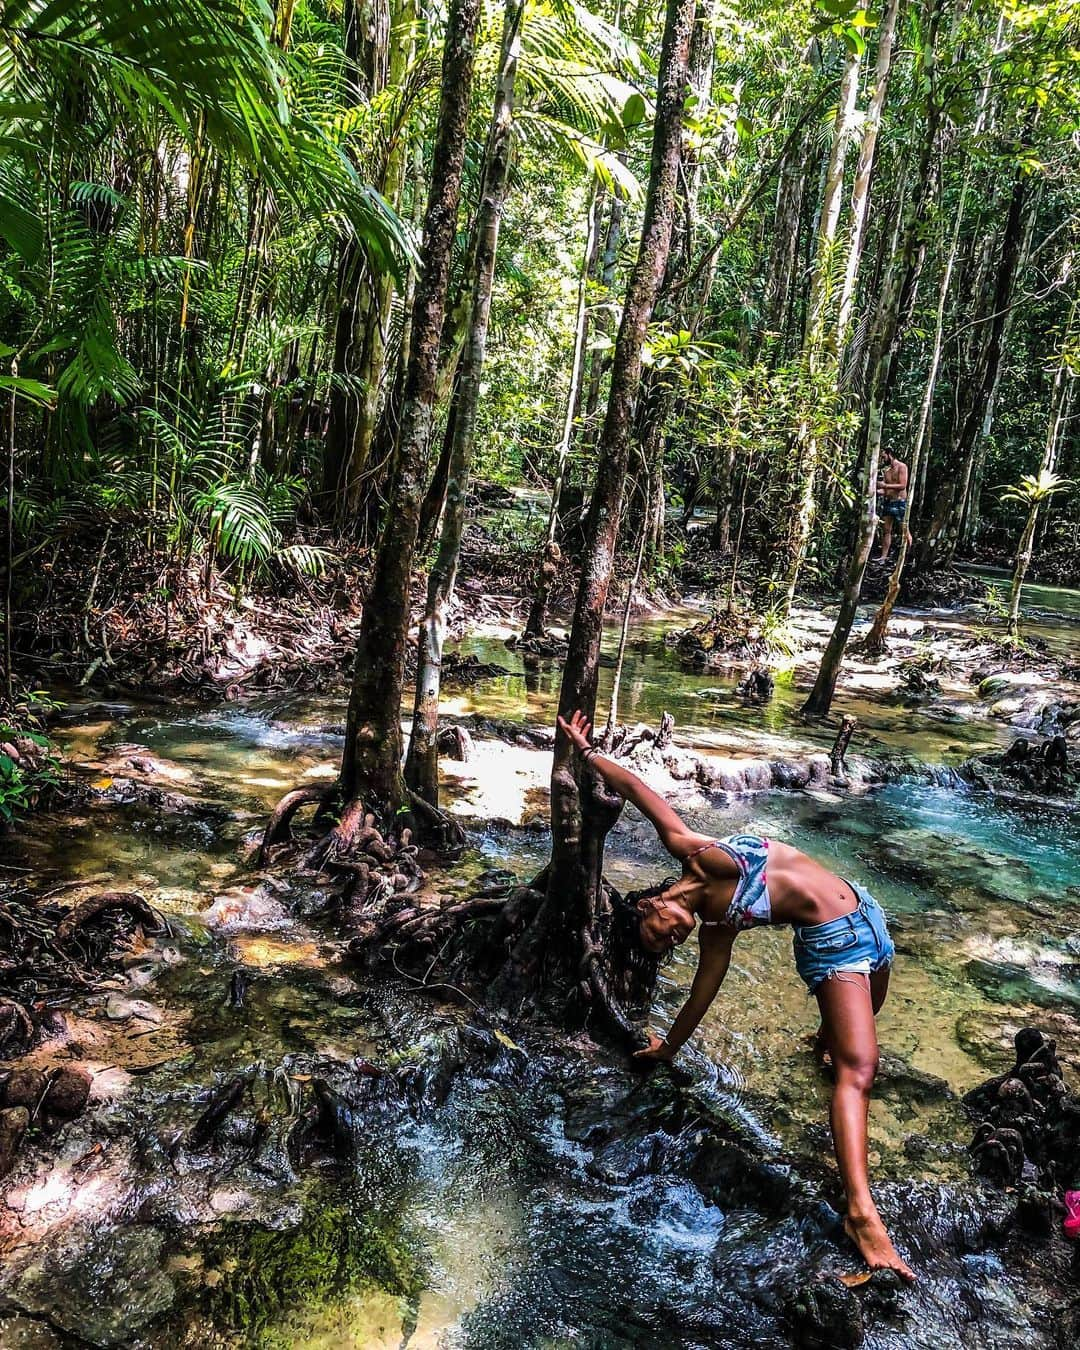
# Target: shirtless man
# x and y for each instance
(892, 488)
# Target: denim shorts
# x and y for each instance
(857, 943)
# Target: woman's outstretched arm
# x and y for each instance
(713, 965)
(675, 834)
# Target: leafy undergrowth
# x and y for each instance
(29, 768)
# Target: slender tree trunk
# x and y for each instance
(790, 193)
(901, 279)
(965, 517)
(567, 929)
(655, 512)
(371, 764)
(608, 260)
(875, 639)
(1059, 400)
(435, 497)
(1020, 571)
(807, 447)
(422, 762)
(545, 573)
(723, 483)
(935, 547)
(860, 193)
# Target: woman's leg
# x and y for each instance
(847, 1017)
(879, 991)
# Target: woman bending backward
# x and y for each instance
(843, 952)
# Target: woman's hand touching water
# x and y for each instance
(656, 1052)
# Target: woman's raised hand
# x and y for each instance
(579, 729)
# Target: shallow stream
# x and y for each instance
(520, 1215)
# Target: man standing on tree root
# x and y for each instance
(892, 489)
(843, 953)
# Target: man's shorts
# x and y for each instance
(897, 509)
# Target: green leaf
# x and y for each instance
(634, 112)
(31, 390)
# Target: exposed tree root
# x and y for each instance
(108, 902)
(508, 945)
(17, 1031)
(603, 1001)
(224, 1100)
(279, 826)
(546, 645)
(439, 826)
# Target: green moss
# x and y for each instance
(336, 1252)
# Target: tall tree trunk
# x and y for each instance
(807, 448)
(608, 260)
(422, 762)
(790, 193)
(659, 389)
(875, 638)
(901, 280)
(371, 764)
(435, 497)
(935, 546)
(568, 928)
(860, 192)
(367, 47)
(545, 574)
(1020, 570)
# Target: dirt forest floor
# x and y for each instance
(147, 629)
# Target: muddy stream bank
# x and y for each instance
(395, 1171)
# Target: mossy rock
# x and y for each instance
(262, 1275)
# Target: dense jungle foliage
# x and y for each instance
(210, 220)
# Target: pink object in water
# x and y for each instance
(1072, 1214)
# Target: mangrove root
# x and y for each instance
(840, 746)
(1026, 1115)
(106, 903)
(279, 827)
(224, 1100)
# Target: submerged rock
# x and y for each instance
(24, 1087)
(104, 1293)
(250, 908)
(825, 1315)
(25, 1333)
(897, 1078)
(68, 1092)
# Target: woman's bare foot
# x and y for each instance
(874, 1244)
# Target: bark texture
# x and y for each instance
(422, 763)
(568, 929)
(371, 763)
(807, 437)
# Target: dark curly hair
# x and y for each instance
(634, 967)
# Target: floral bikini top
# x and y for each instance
(750, 904)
